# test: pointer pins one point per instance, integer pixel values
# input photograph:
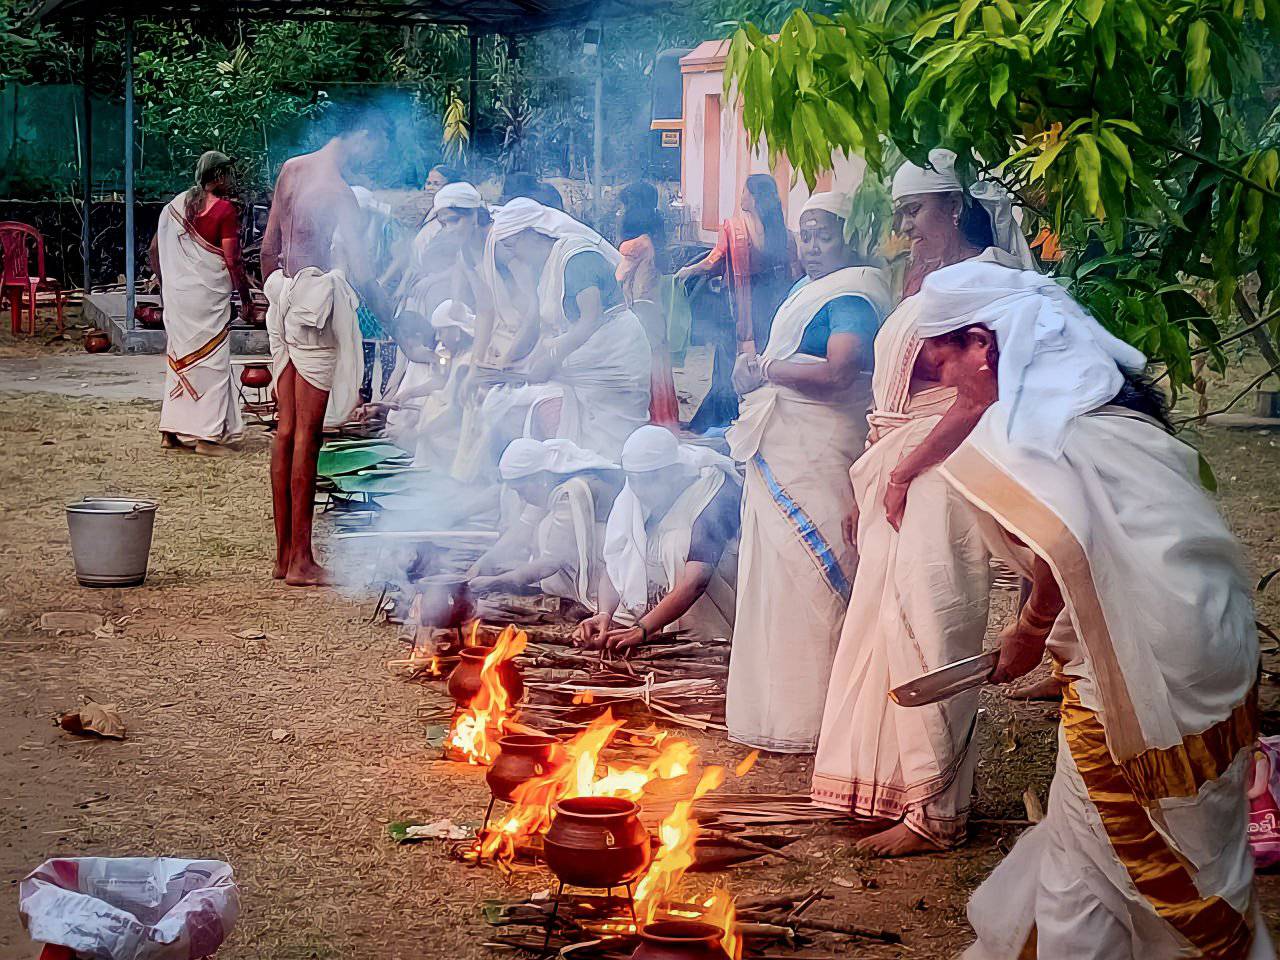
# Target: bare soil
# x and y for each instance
(287, 755)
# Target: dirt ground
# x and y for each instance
(287, 754)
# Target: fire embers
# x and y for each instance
(486, 685)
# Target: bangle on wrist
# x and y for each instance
(764, 369)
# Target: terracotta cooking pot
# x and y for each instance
(464, 681)
(255, 375)
(149, 316)
(522, 757)
(95, 341)
(446, 602)
(679, 940)
(597, 842)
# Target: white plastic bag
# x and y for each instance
(131, 908)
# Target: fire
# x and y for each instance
(747, 763)
(579, 775)
(478, 727)
(678, 834)
(720, 912)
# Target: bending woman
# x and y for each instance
(1139, 593)
(920, 599)
(803, 423)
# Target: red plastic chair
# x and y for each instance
(18, 283)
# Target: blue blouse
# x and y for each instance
(847, 314)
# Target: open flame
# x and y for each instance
(478, 727)
(678, 835)
(579, 774)
(720, 912)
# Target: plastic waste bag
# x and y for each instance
(130, 908)
(1264, 803)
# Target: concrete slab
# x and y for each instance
(105, 376)
(107, 312)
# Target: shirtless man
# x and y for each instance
(312, 205)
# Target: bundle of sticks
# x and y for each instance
(601, 928)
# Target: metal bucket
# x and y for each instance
(111, 539)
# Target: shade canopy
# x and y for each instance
(482, 16)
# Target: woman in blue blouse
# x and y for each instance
(803, 423)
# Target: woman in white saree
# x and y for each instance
(802, 424)
(1138, 591)
(920, 598)
(196, 256)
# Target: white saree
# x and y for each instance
(1144, 851)
(603, 386)
(794, 571)
(200, 402)
(570, 533)
(919, 602)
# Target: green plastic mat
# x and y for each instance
(334, 462)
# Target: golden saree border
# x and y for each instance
(1161, 876)
(181, 365)
(1023, 514)
(1180, 771)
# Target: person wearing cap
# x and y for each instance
(583, 355)
(920, 598)
(556, 532)
(196, 257)
(672, 534)
(1139, 593)
(802, 424)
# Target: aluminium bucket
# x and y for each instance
(111, 540)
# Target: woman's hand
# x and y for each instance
(895, 502)
(623, 640)
(746, 374)
(483, 584)
(593, 632)
(849, 527)
(1020, 651)
(541, 366)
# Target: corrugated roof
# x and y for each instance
(487, 16)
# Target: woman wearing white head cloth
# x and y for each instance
(672, 534)
(589, 374)
(802, 424)
(921, 595)
(566, 493)
(1139, 594)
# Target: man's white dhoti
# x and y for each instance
(312, 323)
(200, 402)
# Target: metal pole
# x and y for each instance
(473, 91)
(130, 253)
(86, 155)
(597, 127)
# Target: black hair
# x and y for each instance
(639, 195)
(975, 223)
(519, 185)
(373, 120)
(1140, 394)
(548, 196)
(764, 192)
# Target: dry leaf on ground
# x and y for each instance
(74, 620)
(99, 718)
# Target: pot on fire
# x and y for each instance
(464, 681)
(597, 842)
(256, 375)
(445, 602)
(522, 757)
(679, 940)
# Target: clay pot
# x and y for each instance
(679, 940)
(255, 375)
(95, 341)
(446, 602)
(464, 681)
(522, 757)
(597, 842)
(149, 316)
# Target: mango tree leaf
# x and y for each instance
(999, 83)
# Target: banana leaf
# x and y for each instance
(335, 462)
(379, 481)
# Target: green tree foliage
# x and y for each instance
(1135, 129)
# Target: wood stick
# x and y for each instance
(830, 926)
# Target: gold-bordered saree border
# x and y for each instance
(1122, 792)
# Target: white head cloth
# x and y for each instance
(447, 315)
(370, 203)
(525, 456)
(1056, 361)
(940, 177)
(522, 214)
(836, 204)
(456, 196)
(626, 539)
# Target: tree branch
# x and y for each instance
(1234, 400)
(1265, 346)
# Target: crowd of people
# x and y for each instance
(893, 431)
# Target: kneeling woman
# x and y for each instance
(803, 423)
(672, 534)
(1139, 594)
(556, 531)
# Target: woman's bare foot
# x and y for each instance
(170, 441)
(1047, 688)
(279, 570)
(210, 449)
(308, 575)
(898, 841)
